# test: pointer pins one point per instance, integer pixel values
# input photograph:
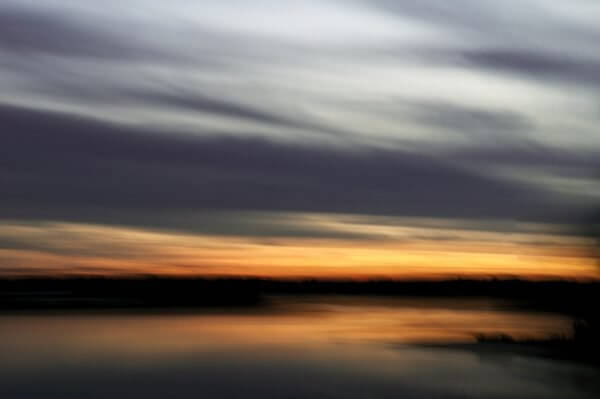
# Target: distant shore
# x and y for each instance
(577, 300)
(569, 297)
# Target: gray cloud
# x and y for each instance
(58, 242)
(29, 32)
(523, 37)
(198, 103)
(530, 154)
(470, 120)
(67, 168)
(62, 168)
(514, 22)
(210, 105)
(537, 65)
(468, 14)
(287, 86)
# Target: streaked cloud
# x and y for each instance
(59, 167)
(61, 248)
(233, 118)
(538, 65)
(26, 33)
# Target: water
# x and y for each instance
(295, 348)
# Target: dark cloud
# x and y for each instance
(211, 105)
(72, 244)
(569, 165)
(537, 64)
(197, 103)
(29, 32)
(533, 155)
(97, 91)
(469, 120)
(59, 167)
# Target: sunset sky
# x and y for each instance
(325, 138)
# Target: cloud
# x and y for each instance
(539, 40)
(533, 155)
(183, 101)
(30, 32)
(469, 120)
(64, 168)
(520, 23)
(211, 105)
(167, 65)
(538, 65)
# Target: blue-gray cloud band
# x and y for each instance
(60, 167)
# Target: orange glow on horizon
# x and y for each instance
(99, 250)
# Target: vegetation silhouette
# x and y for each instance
(38, 293)
(586, 327)
(576, 299)
(582, 306)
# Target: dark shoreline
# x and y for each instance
(563, 349)
(150, 295)
(560, 296)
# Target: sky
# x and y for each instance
(346, 138)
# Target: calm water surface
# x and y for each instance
(295, 348)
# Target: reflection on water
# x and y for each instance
(294, 348)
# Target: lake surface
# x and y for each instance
(293, 348)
